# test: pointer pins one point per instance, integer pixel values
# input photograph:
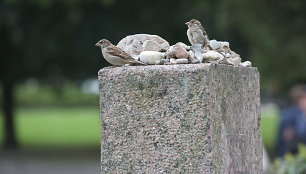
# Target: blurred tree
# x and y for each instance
(53, 40)
(272, 35)
(42, 39)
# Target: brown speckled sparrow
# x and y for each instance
(196, 33)
(114, 55)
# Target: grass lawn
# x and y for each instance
(269, 128)
(56, 127)
(79, 127)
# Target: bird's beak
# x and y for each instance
(98, 44)
(187, 23)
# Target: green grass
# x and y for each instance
(56, 127)
(43, 95)
(79, 127)
(269, 129)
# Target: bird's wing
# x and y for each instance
(115, 51)
(204, 32)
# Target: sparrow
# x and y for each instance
(114, 55)
(196, 33)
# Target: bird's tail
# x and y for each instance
(137, 62)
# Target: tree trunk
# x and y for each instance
(8, 104)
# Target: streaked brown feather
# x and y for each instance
(115, 51)
(204, 32)
(198, 23)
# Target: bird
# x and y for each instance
(196, 33)
(114, 55)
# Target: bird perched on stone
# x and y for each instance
(114, 55)
(196, 33)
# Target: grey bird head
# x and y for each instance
(103, 43)
(193, 22)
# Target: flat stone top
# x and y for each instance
(113, 71)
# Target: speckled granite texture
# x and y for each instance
(193, 118)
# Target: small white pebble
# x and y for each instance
(246, 64)
(172, 60)
(182, 61)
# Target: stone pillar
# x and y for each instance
(193, 118)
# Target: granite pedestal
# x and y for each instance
(193, 118)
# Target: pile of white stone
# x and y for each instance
(155, 50)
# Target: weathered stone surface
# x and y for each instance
(214, 44)
(236, 61)
(181, 53)
(151, 57)
(135, 44)
(173, 60)
(212, 56)
(246, 64)
(151, 45)
(189, 118)
(181, 61)
(179, 50)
